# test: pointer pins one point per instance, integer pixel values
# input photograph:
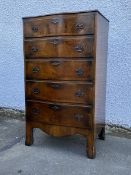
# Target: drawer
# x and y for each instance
(71, 24)
(69, 46)
(59, 69)
(63, 91)
(59, 114)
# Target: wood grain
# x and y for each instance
(65, 75)
(102, 27)
(59, 25)
(56, 130)
(52, 69)
(60, 114)
(60, 91)
(66, 46)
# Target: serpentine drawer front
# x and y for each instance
(79, 46)
(55, 25)
(81, 92)
(60, 114)
(52, 69)
(65, 75)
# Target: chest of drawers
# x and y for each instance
(65, 75)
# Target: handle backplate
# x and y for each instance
(79, 93)
(34, 28)
(55, 21)
(35, 69)
(35, 111)
(79, 71)
(54, 107)
(79, 26)
(78, 117)
(34, 49)
(36, 91)
(79, 48)
(54, 85)
(55, 62)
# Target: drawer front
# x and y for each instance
(60, 91)
(59, 114)
(59, 69)
(59, 25)
(79, 46)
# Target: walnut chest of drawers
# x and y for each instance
(65, 75)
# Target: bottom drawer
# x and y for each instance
(59, 114)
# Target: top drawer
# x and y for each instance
(54, 25)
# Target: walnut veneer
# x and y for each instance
(65, 75)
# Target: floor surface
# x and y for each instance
(60, 156)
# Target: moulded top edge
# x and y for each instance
(67, 13)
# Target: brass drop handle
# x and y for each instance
(54, 107)
(79, 48)
(35, 111)
(35, 29)
(54, 21)
(79, 26)
(34, 49)
(55, 63)
(36, 91)
(55, 85)
(35, 69)
(78, 117)
(79, 71)
(79, 93)
(55, 41)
